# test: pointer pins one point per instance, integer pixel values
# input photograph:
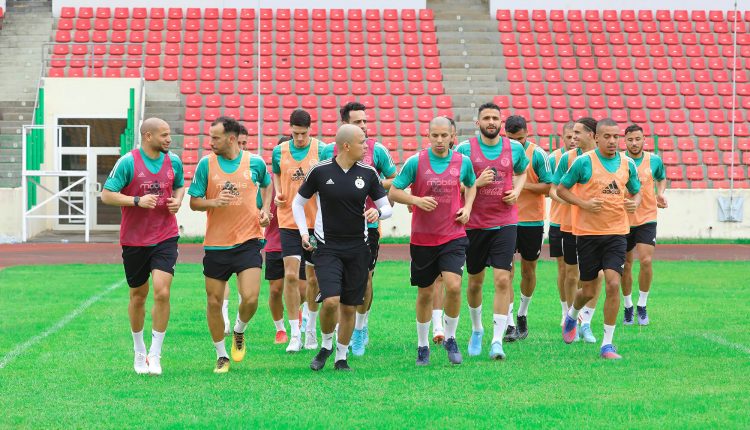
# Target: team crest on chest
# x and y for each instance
(247, 175)
(170, 174)
(454, 171)
(359, 182)
(504, 162)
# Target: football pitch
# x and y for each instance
(66, 361)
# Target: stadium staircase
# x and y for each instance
(26, 26)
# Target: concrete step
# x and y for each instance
(10, 159)
(469, 49)
(10, 182)
(10, 130)
(15, 116)
(469, 37)
(457, 62)
(15, 104)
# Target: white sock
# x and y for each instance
(499, 324)
(451, 324)
(327, 341)
(312, 322)
(437, 320)
(359, 321)
(423, 331)
(138, 344)
(280, 325)
(523, 308)
(225, 312)
(642, 298)
(476, 318)
(628, 300)
(564, 306)
(587, 314)
(221, 349)
(573, 313)
(305, 311)
(367, 318)
(239, 326)
(341, 351)
(157, 339)
(511, 323)
(609, 331)
(294, 324)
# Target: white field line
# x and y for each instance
(721, 341)
(22, 347)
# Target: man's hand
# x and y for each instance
(511, 197)
(225, 197)
(593, 205)
(630, 205)
(462, 216)
(372, 215)
(661, 202)
(280, 201)
(264, 218)
(173, 205)
(426, 203)
(487, 176)
(148, 201)
(306, 242)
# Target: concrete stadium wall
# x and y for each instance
(272, 4)
(691, 214)
(613, 4)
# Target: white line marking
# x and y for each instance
(21, 348)
(721, 341)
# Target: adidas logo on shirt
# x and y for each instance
(141, 175)
(330, 182)
(298, 175)
(612, 188)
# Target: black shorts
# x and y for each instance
(597, 253)
(342, 272)
(291, 244)
(645, 233)
(275, 267)
(140, 261)
(555, 241)
(428, 262)
(221, 264)
(570, 252)
(529, 241)
(373, 242)
(493, 248)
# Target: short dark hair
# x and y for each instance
(231, 126)
(488, 105)
(568, 126)
(243, 131)
(589, 123)
(283, 139)
(515, 123)
(633, 128)
(606, 122)
(300, 118)
(350, 107)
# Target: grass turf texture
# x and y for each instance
(685, 370)
(404, 240)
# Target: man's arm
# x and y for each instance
(175, 202)
(593, 205)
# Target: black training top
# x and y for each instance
(341, 199)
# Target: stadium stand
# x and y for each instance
(669, 71)
(315, 59)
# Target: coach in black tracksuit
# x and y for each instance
(342, 257)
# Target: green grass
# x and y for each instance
(403, 240)
(687, 370)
